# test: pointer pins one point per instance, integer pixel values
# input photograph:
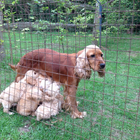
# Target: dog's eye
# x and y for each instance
(92, 55)
(101, 55)
(34, 72)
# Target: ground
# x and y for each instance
(111, 103)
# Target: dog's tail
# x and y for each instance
(13, 67)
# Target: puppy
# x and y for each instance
(29, 101)
(13, 93)
(52, 103)
(33, 96)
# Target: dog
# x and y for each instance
(52, 105)
(65, 68)
(13, 93)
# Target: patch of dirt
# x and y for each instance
(118, 134)
(25, 128)
(132, 54)
(100, 112)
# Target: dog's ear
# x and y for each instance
(82, 68)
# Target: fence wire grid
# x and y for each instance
(46, 100)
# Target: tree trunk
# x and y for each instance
(2, 51)
(96, 25)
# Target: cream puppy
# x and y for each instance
(29, 101)
(52, 104)
(13, 93)
(33, 96)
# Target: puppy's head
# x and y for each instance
(54, 89)
(90, 58)
(45, 83)
(30, 77)
(56, 86)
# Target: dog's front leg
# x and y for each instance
(70, 102)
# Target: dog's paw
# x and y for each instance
(78, 115)
(84, 114)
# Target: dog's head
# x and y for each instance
(90, 58)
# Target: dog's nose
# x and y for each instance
(102, 65)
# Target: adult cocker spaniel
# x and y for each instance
(65, 68)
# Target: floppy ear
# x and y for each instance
(82, 68)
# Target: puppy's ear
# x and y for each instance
(82, 68)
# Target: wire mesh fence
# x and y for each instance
(70, 69)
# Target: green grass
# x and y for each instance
(111, 102)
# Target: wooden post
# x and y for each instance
(96, 25)
(2, 51)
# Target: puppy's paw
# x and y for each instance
(33, 114)
(11, 113)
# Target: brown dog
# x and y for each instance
(67, 69)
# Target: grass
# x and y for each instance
(112, 102)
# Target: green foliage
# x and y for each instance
(40, 25)
(8, 15)
(1, 41)
(119, 15)
(61, 38)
